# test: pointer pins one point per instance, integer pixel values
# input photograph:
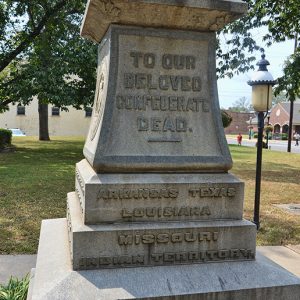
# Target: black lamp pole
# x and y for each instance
(258, 168)
(250, 129)
(267, 132)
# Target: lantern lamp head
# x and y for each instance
(262, 82)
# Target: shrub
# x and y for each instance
(255, 135)
(15, 289)
(226, 118)
(268, 128)
(5, 137)
(284, 136)
(264, 145)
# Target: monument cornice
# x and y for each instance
(197, 15)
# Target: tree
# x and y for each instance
(40, 49)
(280, 17)
(226, 118)
(279, 98)
(241, 105)
(282, 20)
(58, 67)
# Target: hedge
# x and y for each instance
(5, 136)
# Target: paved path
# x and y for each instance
(274, 145)
(19, 265)
(15, 265)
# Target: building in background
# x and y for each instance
(280, 116)
(61, 123)
(239, 122)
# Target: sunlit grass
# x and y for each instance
(35, 179)
(280, 184)
(34, 182)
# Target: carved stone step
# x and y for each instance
(157, 197)
(162, 243)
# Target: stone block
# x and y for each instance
(156, 104)
(160, 243)
(157, 197)
(260, 279)
(201, 15)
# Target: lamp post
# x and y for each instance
(261, 82)
(250, 129)
(267, 131)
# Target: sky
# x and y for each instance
(235, 88)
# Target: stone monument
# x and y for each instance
(155, 213)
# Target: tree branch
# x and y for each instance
(3, 104)
(31, 35)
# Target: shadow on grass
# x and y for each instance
(282, 173)
(277, 230)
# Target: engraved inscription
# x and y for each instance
(108, 194)
(163, 82)
(166, 258)
(202, 256)
(212, 192)
(165, 212)
(162, 103)
(169, 61)
(80, 181)
(96, 262)
(147, 193)
(147, 90)
(80, 199)
(159, 238)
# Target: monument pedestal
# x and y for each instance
(156, 243)
(54, 278)
(155, 214)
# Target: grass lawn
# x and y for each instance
(35, 179)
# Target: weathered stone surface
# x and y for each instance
(156, 105)
(159, 243)
(157, 197)
(252, 280)
(200, 15)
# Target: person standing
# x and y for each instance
(297, 137)
(239, 139)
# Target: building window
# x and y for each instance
(55, 111)
(20, 110)
(88, 111)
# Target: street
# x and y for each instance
(273, 145)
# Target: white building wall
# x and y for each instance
(72, 123)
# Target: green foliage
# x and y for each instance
(57, 66)
(282, 20)
(241, 105)
(5, 137)
(41, 53)
(226, 118)
(278, 98)
(268, 128)
(284, 136)
(15, 289)
(289, 83)
(255, 135)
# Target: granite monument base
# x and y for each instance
(252, 280)
(156, 243)
(152, 197)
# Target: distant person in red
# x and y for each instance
(239, 139)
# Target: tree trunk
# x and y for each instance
(290, 137)
(43, 122)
